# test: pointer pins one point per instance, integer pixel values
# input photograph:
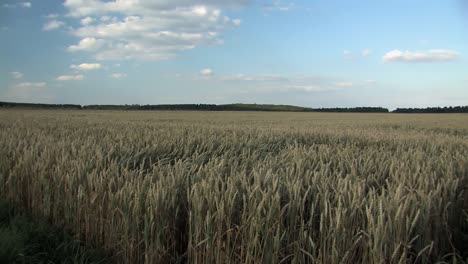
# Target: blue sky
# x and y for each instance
(308, 53)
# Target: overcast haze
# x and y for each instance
(307, 53)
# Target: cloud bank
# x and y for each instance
(147, 29)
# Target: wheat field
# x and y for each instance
(244, 187)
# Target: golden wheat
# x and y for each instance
(244, 187)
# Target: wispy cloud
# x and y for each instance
(30, 92)
(16, 75)
(268, 83)
(278, 5)
(70, 78)
(253, 78)
(366, 52)
(118, 75)
(21, 4)
(87, 44)
(53, 24)
(306, 88)
(435, 55)
(52, 16)
(348, 55)
(351, 56)
(206, 71)
(236, 22)
(86, 66)
(87, 21)
(31, 84)
(344, 84)
(25, 4)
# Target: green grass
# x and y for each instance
(25, 241)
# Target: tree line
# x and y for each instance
(237, 107)
(450, 109)
(197, 107)
(43, 106)
(352, 110)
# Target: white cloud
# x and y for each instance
(53, 24)
(87, 44)
(86, 66)
(70, 78)
(344, 84)
(25, 4)
(206, 71)
(118, 75)
(16, 75)
(148, 29)
(87, 21)
(366, 52)
(436, 55)
(31, 85)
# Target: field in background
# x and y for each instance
(244, 187)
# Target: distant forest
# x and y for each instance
(237, 107)
(197, 107)
(44, 106)
(450, 109)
